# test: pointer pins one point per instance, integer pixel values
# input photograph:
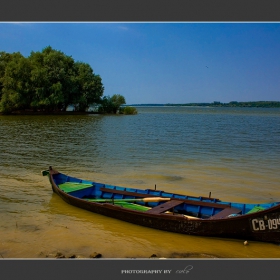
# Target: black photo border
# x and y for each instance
(140, 10)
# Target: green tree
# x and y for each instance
(5, 58)
(89, 87)
(47, 80)
(53, 78)
(17, 90)
(111, 105)
(117, 101)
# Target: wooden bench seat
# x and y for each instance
(224, 213)
(164, 207)
(188, 201)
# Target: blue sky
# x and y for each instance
(165, 62)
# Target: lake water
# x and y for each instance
(231, 152)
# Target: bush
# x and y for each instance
(130, 110)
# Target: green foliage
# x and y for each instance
(5, 58)
(130, 110)
(47, 81)
(89, 85)
(117, 101)
(16, 84)
(111, 105)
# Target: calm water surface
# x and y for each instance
(232, 153)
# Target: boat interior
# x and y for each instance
(133, 199)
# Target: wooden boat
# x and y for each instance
(204, 216)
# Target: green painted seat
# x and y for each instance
(71, 186)
(255, 209)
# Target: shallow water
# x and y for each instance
(232, 153)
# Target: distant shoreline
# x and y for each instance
(250, 104)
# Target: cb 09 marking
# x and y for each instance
(265, 224)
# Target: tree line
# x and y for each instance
(253, 104)
(51, 81)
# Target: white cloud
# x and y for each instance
(125, 28)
